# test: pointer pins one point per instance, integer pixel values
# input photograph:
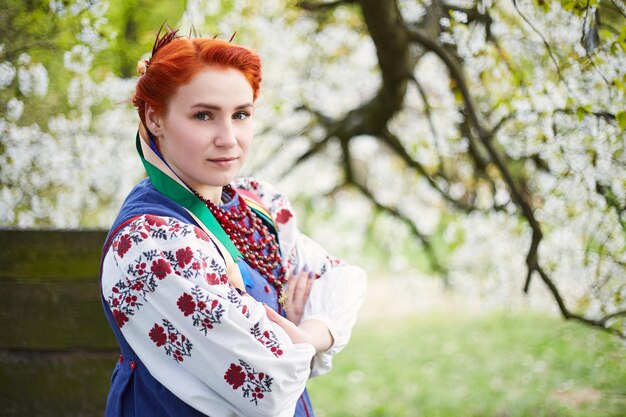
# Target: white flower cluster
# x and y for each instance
(32, 77)
(557, 115)
(78, 59)
(61, 174)
(333, 69)
(32, 80)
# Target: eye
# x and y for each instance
(241, 115)
(202, 116)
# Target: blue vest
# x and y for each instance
(134, 391)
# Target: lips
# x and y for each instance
(224, 161)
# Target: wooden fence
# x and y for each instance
(57, 351)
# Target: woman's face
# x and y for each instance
(207, 131)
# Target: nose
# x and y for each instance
(225, 136)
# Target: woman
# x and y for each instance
(221, 307)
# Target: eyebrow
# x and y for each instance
(216, 107)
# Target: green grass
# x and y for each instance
(500, 365)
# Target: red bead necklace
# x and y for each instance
(261, 254)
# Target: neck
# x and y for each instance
(211, 193)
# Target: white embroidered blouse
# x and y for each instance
(165, 283)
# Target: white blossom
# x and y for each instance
(90, 33)
(89, 36)
(39, 77)
(7, 73)
(24, 59)
(58, 7)
(459, 16)
(79, 6)
(78, 59)
(25, 81)
(15, 108)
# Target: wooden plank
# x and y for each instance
(50, 254)
(55, 384)
(57, 351)
(53, 315)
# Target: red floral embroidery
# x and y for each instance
(334, 261)
(158, 336)
(283, 216)
(120, 318)
(184, 256)
(175, 343)
(268, 339)
(160, 268)
(196, 264)
(155, 221)
(200, 234)
(122, 245)
(214, 279)
(144, 272)
(204, 311)
(236, 299)
(253, 384)
(235, 376)
(218, 276)
(128, 293)
(186, 304)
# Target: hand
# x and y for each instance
(313, 332)
(299, 287)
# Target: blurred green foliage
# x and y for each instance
(134, 24)
(32, 28)
(29, 27)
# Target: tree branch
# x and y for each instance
(392, 40)
(312, 6)
(480, 164)
(427, 106)
(473, 15)
(456, 73)
(567, 314)
(543, 39)
(394, 143)
(486, 139)
(612, 316)
(435, 264)
(618, 8)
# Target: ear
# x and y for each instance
(153, 121)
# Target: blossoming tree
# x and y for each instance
(485, 137)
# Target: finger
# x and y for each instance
(299, 266)
(278, 319)
(289, 328)
(300, 287)
(273, 315)
(291, 286)
(295, 270)
(295, 283)
(309, 284)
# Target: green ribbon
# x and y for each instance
(172, 189)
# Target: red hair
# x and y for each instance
(176, 60)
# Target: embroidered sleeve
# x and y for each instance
(339, 289)
(166, 285)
